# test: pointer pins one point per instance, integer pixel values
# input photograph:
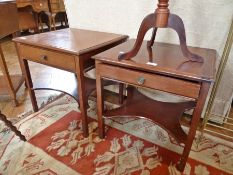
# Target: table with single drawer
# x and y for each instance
(48, 57)
(163, 68)
(69, 50)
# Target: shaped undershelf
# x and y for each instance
(165, 114)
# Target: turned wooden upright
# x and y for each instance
(162, 14)
(9, 84)
(161, 18)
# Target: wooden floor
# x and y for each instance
(48, 76)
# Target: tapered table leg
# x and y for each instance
(194, 123)
(82, 94)
(29, 83)
(100, 103)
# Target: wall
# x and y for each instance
(206, 21)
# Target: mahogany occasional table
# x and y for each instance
(167, 70)
(70, 50)
(176, 69)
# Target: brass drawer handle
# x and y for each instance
(141, 80)
(44, 57)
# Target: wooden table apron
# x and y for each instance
(75, 63)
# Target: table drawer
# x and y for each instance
(47, 57)
(150, 80)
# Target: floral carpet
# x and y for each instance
(132, 147)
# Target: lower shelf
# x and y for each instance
(165, 114)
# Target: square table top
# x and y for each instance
(70, 40)
(167, 60)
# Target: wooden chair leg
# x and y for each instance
(41, 24)
(54, 23)
(50, 23)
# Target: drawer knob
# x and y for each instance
(141, 80)
(44, 57)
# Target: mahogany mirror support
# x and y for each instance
(162, 13)
(161, 18)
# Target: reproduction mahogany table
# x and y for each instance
(70, 50)
(162, 67)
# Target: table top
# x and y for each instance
(167, 60)
(73, 41)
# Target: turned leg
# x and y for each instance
(12, 127)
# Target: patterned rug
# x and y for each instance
(132, 147)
